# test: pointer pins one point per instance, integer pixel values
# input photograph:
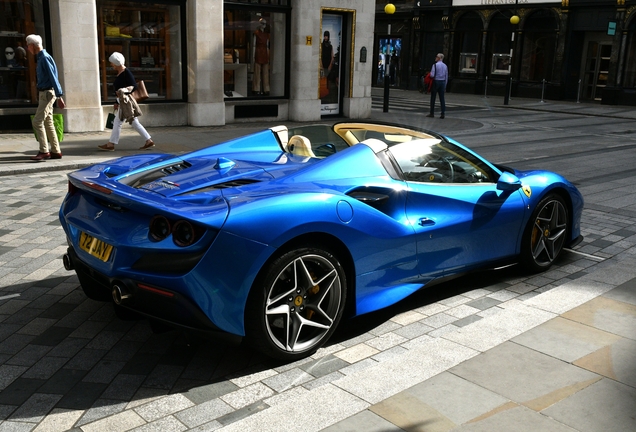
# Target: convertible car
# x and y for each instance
(275, 236)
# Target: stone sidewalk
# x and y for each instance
(574, 371)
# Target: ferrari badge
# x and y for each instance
(527, 190)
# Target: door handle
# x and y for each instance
(426, 222)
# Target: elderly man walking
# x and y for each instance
(439, 73)
(49, 90)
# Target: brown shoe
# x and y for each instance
(107, 147)
(41, 156)
(149, 144)
(56, 155)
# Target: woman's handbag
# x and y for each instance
(109, 121)
(140, 94)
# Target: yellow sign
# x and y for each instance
(527, 191)
(308, 40)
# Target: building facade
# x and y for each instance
(567, 49)
(203, 62)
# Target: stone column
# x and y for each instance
(74, 48)
(205, 63)
(304, 104)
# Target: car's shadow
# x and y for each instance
(59, 349)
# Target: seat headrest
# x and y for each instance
(300, 145)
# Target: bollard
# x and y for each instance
(510, 89)
(486, 88)
(542, 91)
(578, 97)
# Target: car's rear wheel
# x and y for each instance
(296, 303)
(546, 234)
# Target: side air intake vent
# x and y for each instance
(235, 183)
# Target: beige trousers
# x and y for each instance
(261, 69)
(43, 122)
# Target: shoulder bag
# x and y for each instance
(140, 94)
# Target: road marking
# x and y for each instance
(9, 296)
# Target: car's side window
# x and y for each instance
(437, 161)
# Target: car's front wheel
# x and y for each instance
(296, 303)
(546, 234)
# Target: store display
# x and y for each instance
(141, 36)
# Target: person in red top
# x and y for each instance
(261, 59)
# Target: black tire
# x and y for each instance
(546, 234)
(296, 303)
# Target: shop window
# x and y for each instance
(18, 19)
(149, 36)
(254, 56)
(469, 30)
(539, 45)
(500, 44)
(468, 62)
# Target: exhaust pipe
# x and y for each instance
(68, 264)
(119, 294)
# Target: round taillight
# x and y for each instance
(159, 228)
(183, 233)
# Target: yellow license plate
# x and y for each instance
(95, 247)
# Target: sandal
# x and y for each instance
(149, 144)
(107, 147)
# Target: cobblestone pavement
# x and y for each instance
(69, 363)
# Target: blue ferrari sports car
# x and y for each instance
(274, 236)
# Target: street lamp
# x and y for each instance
(514, 20)
(389, 9)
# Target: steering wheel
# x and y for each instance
(435, 163)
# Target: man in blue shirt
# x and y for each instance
(49, 90)
(439, 73)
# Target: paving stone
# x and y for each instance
(82, 396)
(101, 408)
(604, 405)
(18, 390)
(204, 413)
(242, 413)
(163, 406)
(324, 366)
(209, 392)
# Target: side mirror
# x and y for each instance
(508, 182)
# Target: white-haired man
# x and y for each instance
(439, 73)
(49, 90)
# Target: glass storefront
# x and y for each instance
(149, 35)
(18, 19)
(255, 52)
(539, 46)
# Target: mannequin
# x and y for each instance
(9, 54)
(261, 59)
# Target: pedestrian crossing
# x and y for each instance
(414, 102)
